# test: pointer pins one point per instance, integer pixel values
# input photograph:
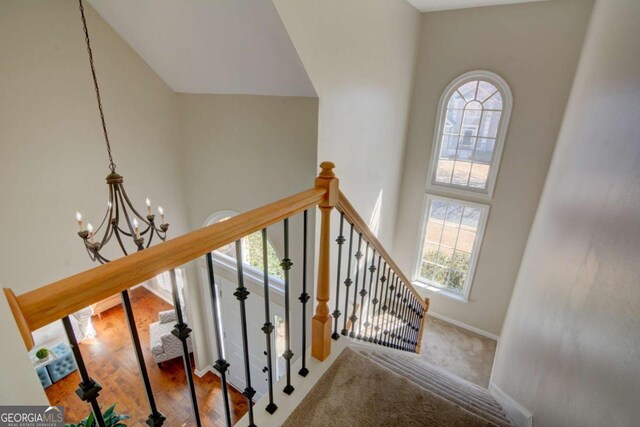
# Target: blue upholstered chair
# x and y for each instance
(43, 374)
(64, 365)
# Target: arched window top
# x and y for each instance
(473, 116)
(251, 248)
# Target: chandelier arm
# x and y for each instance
(112, 165)
(150, 238)
(120, 242)
(106, 214)
(107, 235)
(125, 213)
(123, 193)
(102, 259)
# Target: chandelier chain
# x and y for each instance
(112, 165)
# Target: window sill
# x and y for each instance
(442, 292)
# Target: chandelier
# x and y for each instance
(121, 222)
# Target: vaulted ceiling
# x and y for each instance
(433, 5)
(221, 46)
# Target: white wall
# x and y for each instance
(359, 56)
(52, 157)
(570, 348)
(535, 48)
(241, 152)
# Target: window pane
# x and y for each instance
(450, 236)
(494, 103)
(485, 90)
(479, 175)
(456, 101)
(445, 169)
(471, 122)
(468, 90)
(449, 146)
(490, 122)
(484, 150)
(461, 171)
(453, 121)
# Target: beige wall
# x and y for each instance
(241, 152)
(360, 58)
(52, 157)
(570, 348)
(535, 48)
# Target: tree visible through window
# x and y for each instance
(252, 254)
(450, 243)
(470, 135)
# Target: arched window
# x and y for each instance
(473, 116)
(251, 248)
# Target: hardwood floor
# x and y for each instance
(111, 361)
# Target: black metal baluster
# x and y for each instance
(286, 266)
(88, 389)
(155, 419)
(268, 327)
(414, 337)
(385, 309)
(372, 269)
(374, 302)
(336, 313)
(396, 309)
(381, 303)
(347, 283)
(354, 317)
(392, 311)
(241, 295)
(404, 339)
(363, 291)
(181, 330)
(304, 298)
(221, 364)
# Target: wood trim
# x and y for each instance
(345, 207)
(19, 316)
(422, 325)
(44, 305)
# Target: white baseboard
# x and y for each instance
(463, 325)
(520, 415)
(201, 372)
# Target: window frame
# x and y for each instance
(475, 251)
(507, 103)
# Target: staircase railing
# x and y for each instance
(394, 317)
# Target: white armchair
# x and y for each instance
(165, 345)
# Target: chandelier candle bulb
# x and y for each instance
(161, 214)
(148, 202)
(79, 219)
(136, 228)
(90, 230)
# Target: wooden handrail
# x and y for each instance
(37, 308)
(350, 213)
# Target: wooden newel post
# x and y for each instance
(321, 323)
(422, 323)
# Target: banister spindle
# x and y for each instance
(336, 313)
(155, 419)
(385, 308)
(221, 364)
(374, 302)
(405, 320)
(347, 284)
(286, 265)
(401, 324)
(88, 388)
(304, 297)
(380, 302)
(321, 325)
(181, 330)
(363, 292)
(241, 295)
(372, 270)
(354, 317)
(268, 327)
(396, 308)
(414, 323)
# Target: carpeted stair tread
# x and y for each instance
(469, 396)
(357, 391)
(441, 375)
(470, 403)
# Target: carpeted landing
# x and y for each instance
(369, 388)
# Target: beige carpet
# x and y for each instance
(356, 391)
(459, 351)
